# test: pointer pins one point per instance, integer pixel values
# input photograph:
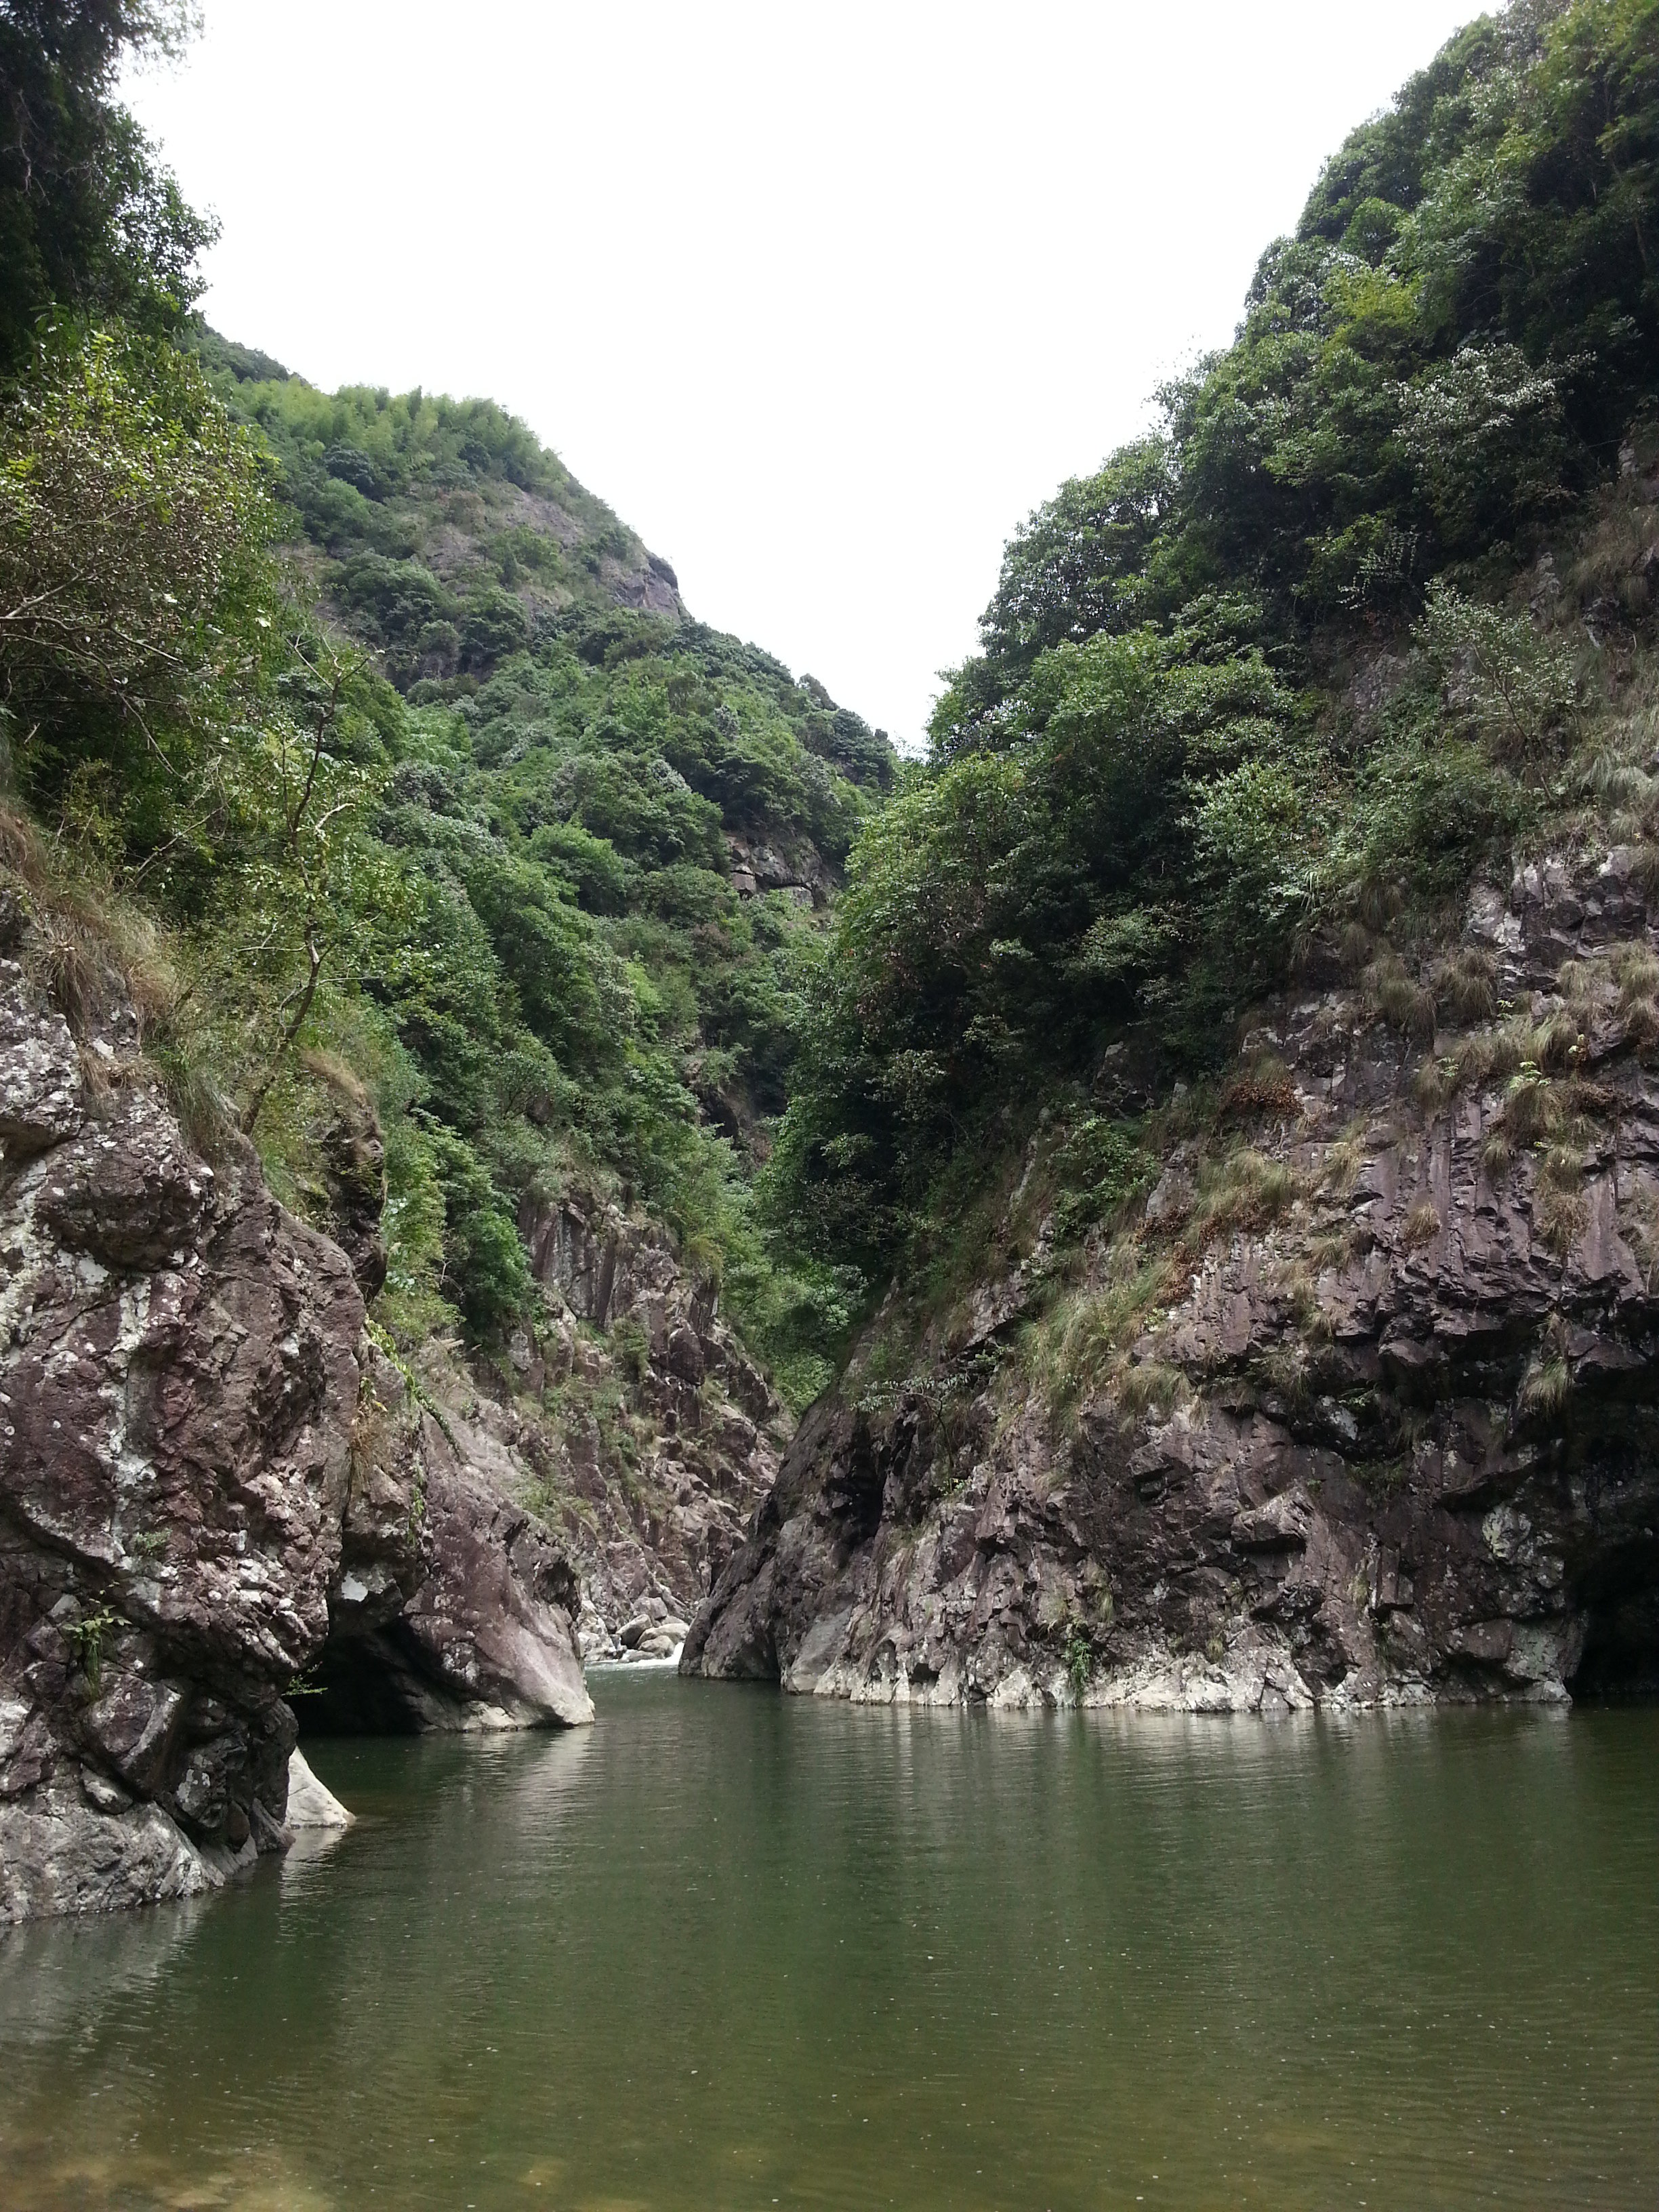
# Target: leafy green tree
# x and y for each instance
(89, 222)
(134, 520)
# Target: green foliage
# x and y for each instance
(1510, 688)
(1428, 810)
(498, 904)
(1077, 1657)
(1122, 853)
(133, 586)
(88, 223)
(1099, 1167)
(485, 1271)
(86, 1638)
(1148, 788)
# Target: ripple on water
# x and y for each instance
(731, 1949)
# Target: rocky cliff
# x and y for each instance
(1354, 1405)
(212, 1486)
(644, 1429)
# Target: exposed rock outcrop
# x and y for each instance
(312, 1803)
(791, 864)
(651, 1515)
(182, 1512)
(451, 1607)
(1386, 1428)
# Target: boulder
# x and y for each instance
(311, 1803)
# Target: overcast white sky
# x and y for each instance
(821, 300)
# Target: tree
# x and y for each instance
(134, 525)
(88, 221)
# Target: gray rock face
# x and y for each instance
(798, 870)
(711, 1428)
(181, 1500)
(1390, 1436)
(39, 1072)
(452, 1608)
(64, 1852)
(178, 1378)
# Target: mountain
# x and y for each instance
(626, 829)
(1237, 1047)
(635, 815)
(407, 909)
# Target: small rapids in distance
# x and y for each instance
(732, 1949)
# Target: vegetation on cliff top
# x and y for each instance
(1369, 607)
(406, 745)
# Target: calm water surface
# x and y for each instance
(729, 1948)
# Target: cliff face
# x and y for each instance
(1371, 1415)
(645, 1430)
(208, 1481)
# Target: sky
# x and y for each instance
(823, 300)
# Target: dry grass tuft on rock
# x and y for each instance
(1080, 1348)
(1421, 1227)
(1248, 1190)
(1559, 1208)
(1397, 999)
(89, 950)
(1466, 988)
(1261, 1091)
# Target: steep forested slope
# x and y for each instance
(1316, 644)
(620, 824)
(443, 856)
(545, 901)
(1237, 1043)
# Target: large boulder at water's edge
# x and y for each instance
(181, 1366)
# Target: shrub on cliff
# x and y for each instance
(89, 223)
(1153, 780)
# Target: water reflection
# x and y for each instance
(728, 1948)
(57, 1981)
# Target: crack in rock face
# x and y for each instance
(1397, 1444)
(652, 1538)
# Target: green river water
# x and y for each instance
(729, 1948)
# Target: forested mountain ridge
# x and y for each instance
(675, 792)
(368, 779)
(1237, 1045)
(433, 510)
(538, 866)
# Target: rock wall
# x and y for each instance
(190, 1500)
(451, 1605)
(652, 1512)
(1387, 1432)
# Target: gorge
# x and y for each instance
(546, 1170)
(738, 1467)
(455, 1130)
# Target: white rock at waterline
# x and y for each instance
(310, 1805)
